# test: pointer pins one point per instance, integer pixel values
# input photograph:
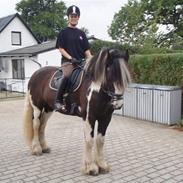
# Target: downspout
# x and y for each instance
(36, 62)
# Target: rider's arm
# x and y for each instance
(88, 54)
(65, 54)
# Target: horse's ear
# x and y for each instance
(112, 54)
(126, 55)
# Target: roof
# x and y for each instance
(6, 20)
(31, 50)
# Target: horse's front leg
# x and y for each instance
(89, 166)
(100, 139)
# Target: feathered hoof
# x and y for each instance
(36, 150)
(104, 170)
(93, 172)
(46, 150)
(103, 167)
(90, 169)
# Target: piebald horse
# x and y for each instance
(106, 75)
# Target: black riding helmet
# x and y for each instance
(73, 10)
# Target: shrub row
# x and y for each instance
(161, 69)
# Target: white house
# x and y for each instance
(21, 54)
(14, 33)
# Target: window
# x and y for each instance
(18, 69)
(1, 64)
(16, 38)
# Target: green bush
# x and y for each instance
(161, 69)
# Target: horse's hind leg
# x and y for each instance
(36, 147)
(44, 118)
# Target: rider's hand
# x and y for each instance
(75, 61)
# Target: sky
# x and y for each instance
(96, 15)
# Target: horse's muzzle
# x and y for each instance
(117, 104)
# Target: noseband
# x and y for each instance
(114, 97)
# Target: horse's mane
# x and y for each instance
(96, 67)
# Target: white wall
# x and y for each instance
(30, 66)
(52, 58)
(5, 36)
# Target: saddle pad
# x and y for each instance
(74, 80)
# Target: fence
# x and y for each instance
(12, 88)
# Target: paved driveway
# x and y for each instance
(137, 151)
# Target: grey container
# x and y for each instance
(167, 104)
(161, 104)
(145, 102)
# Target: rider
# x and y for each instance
(73, 45)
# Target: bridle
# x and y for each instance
(114, 97)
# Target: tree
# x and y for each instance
(140, 22)
(45, 17)
(85, 30)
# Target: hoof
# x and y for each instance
(104, 170)
(90, 169)
(93, 173)
(36, 150)
(36, 153)
(103, 167)
(47, 150)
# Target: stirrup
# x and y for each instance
(60, 107)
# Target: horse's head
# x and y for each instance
(110, 72)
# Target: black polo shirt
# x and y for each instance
(73, 41)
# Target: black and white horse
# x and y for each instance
(106, 75)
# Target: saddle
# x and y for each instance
(74, 83)
(74, 80)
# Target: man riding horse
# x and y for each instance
(73, 46)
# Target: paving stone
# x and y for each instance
(138, 151)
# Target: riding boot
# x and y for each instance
(59, 102)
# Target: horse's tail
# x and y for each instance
(28, 120)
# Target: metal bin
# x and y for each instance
(167, 104)
(145, 102)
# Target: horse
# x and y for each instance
(106, 76)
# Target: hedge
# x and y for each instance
(161, 69)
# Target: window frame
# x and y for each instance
(20, 38)
(19, 71)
